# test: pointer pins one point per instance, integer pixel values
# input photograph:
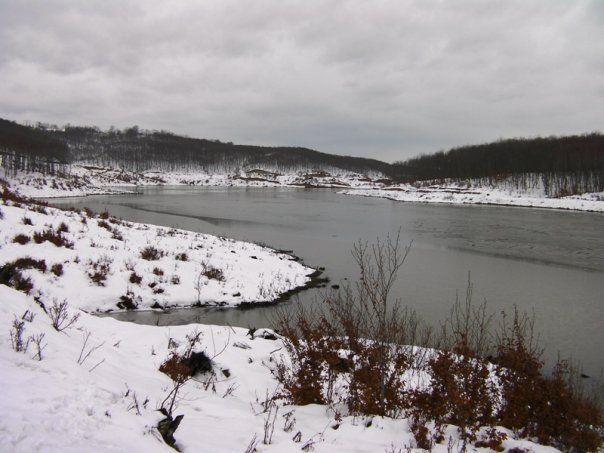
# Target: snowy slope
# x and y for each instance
(108, 400)
(191, 268)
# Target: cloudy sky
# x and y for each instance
(385, 79)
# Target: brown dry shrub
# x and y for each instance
(213, 273)
(312, 350)
(151, 253)
(53, 237)
(135, 278)
(104, 224)
(99, 270)
(158, 271)
(57, 269)
(21, 239)
(182, 256)
(551, 408)
(175, 368)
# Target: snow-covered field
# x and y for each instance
(98, 388)
(455, 194)
(102, 265)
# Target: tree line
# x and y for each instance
(562, 165)
(570, 154)
(30, 149)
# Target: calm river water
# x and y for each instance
(544, 261)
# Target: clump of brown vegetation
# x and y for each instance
(151, 253)
(57, 269)
(182, 256)
(98, 270)
(212, 273)
(11, 273)
(21, 239)
(352, 348)
(54, 237)
(135, 278)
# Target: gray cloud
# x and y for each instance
(385, 79)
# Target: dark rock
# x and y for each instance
(167, 427)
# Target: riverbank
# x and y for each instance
(101, 263)
(454, 194)
(84, 180)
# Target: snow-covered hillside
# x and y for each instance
(98, 387)
(100, 263)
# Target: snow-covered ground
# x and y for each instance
(102, 264)
(92, 180)
(456, 194)
(98, 388)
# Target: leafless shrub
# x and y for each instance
(182, 367)
(251, 447)
(151, 253)
(230, 390)
(269, 424)
(359, 333)
(26, 221)
(59, 316)
(28, 316)
(18, 343)
(86, 351)
(211, 272)
(175, 279)
(37, 341)
(99, 270)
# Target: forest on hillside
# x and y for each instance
(562, 165)
(565, 165)
(137, 150)
(24, 148)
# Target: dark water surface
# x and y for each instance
(547, 261)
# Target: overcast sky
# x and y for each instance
(370, 78)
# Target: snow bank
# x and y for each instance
(108, 401)
(189, 269)
(454, 194)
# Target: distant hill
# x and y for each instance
(570, 154)
(135, 150)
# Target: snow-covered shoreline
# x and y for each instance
(106, 264)
(89, 180)
(481, 196)
(98, 387)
